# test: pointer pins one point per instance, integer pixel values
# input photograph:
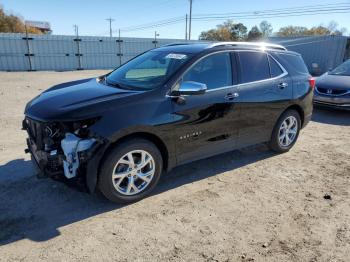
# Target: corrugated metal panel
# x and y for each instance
(56, 52)
(12, 52)
(326, 51)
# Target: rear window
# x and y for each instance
(274, 68)
(254, 66)
(297, 63)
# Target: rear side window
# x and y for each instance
(254, 66)
(214, 71)
(297, 63)
(274, 68)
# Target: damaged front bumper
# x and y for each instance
(73, 147)
(74, 160)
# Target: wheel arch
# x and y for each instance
(297, 108)
(293, 107)
(156, 140)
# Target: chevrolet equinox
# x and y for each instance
(166, 107)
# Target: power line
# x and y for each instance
(173, 20)
(289, 13)
(335, 8)
(296, 8)
(275, 15)
(153, 23)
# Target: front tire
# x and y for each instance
(285, 132)
(130, 171)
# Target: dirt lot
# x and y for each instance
(248, 205)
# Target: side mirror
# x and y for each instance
(190, 88)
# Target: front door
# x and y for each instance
(207, 124)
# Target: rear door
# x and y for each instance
(207, 124)
(265, 90)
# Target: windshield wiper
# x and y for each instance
(105, 81)
(117, 85)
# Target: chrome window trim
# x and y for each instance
(200, 59)
(285, 73)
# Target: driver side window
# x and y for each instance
(214, 71)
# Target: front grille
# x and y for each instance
(35, 131)
(54, 164)
(330, 91)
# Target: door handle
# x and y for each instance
(231, 96)
(282, 85)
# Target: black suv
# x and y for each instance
(166, 107)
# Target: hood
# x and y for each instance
(74, 101)
(333, 81)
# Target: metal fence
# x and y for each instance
(325, 51)
(55, 52)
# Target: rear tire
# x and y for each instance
(286, 132)
(130, 171)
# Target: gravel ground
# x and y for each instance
(247, 205)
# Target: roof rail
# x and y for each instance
(178, 43)
(262, 45)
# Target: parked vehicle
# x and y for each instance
(166, 107)
(333, 88)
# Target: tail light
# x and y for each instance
(312, 82)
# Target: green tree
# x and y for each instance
(239, 32)
(254, 34)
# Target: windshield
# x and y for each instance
(148, 70)
(343, 69)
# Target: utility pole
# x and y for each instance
(186, 28)
(119, 48)
(28, 48)
(76, 30)
(155, 38)
(110, 25)
(190, 24)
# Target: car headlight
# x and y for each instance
(81, 128)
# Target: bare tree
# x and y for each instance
(265, 28)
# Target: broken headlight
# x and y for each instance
(81, 128)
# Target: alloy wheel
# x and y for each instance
(288, 131)
(133, 172)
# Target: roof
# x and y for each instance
(38, 24)
(189, 47)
